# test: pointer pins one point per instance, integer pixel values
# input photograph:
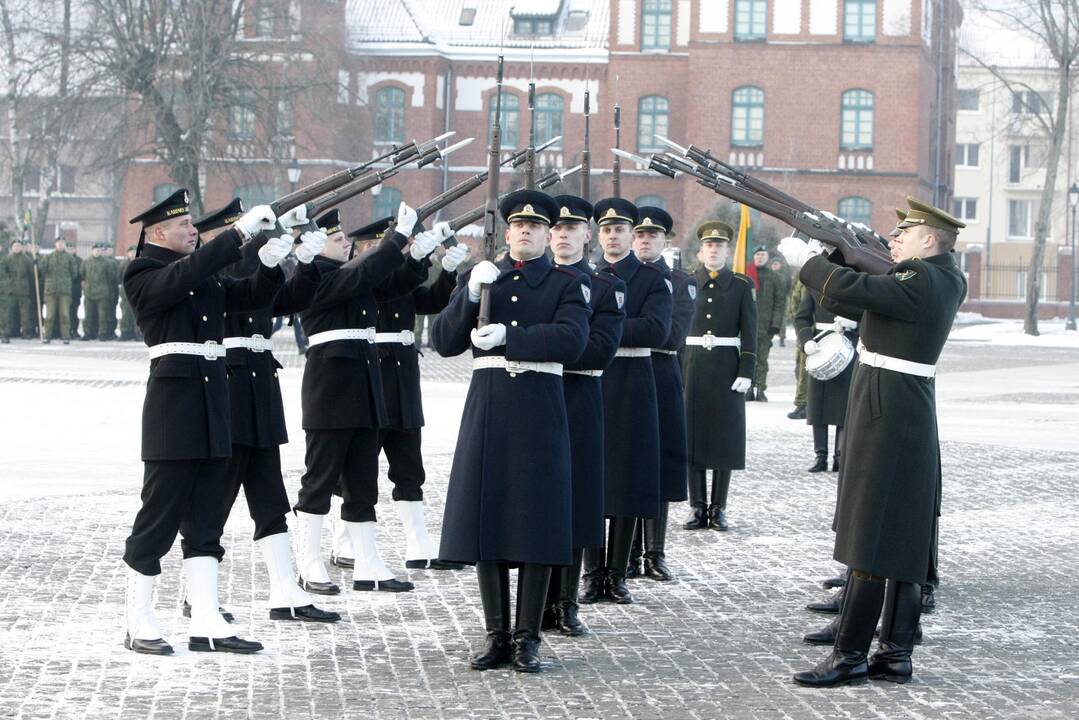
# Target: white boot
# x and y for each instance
(143, 633)
(288, 601)
(313, 575)
(208, 630)
(370, 572)
(342, 555)
(418, 544)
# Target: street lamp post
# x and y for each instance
(1073, 198)
(294, 172)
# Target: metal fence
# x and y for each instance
(1008, 281)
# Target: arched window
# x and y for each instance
(651, 201)
(163, 190)
(656, 25)
(253, 195)
(390, 115)
(549, 118)
(652, 119)
(510, 118)
(855, 209)
(860, 20)
(856, 113)
(747, 116)
(386, 203)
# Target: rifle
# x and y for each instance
(543, 183)
(491, 209)
(530, 162)
(616, 170)
(586, 155)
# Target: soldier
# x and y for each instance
(889, 493)
(631, 414)
(583, 390)
(718, 368)
(343, 405)
(257, 413)
(19, 265)
(827, 398)
(76, 297)
(510, 492)
(180, 300)
(5, 297)
(771, 301)
(798, 291)
(98, 281)
(784, 276)
(128, 329)
(650, 236)
(61, 271)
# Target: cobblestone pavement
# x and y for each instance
(720, 641)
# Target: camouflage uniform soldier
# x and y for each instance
(99, 281)
(61, 272)
(771, 302)
(19, 264)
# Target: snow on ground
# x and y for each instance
(974, 328)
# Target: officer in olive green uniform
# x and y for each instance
(19, 265)
(61, 271)
(798, 291)
(128, 329)
(5, 294)
(98, 282)
(76, 296)
(771, 303)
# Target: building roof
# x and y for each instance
(453, 27)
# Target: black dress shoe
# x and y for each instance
(147, 647)
(633, 570)
(751, 394)
(820, 465)
(617, 590)
(229, 645)
(224, 613)
(391, 585)
(568, 623)
(799, 413)
(824, 636)
(342, 562)
(306, 613)
(828, 607)
(526, 657)
(761, 397)
(319, 588)
(929, 599)
(717, 519)
(593, 587)
(656, 568)
(496, 653)
(834, 582)
(551, 616)
(433, 564)
(699, 519)
(835, 670)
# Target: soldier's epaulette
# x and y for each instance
(740, 276)
(604, 277)
(566, 271)
(653, 268)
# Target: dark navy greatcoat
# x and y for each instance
(630, 409)
(258, 414)
(342, 385)
(889, 486)
(584, 403)
(401, 363)
(716, 415)
(509, 496)
(673, 453)
(827, 399)
(183, 298)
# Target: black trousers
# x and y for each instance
(349, 456)
(178, 496)
(258, 470)
(402, 448)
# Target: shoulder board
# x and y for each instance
(567, 271)
(740, 276)
(600, 276)
(653, 268)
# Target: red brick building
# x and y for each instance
(847, 104)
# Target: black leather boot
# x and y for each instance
(633, 568)
(751, 394)
(531, 596)
(550, 609)
(834, 582)
(929, 598)
(761, 397)
(698, 489)
(820, 449)
(568, 579)
(717, 511)
(594, 578)
(618, 542)
(655, 542)
(798, 413)
(847, 664)
(831, 606)
(838, 448)
(824, 636)
(898, 625)
(494, 582)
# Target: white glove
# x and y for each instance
(295, 216)
(741, 384)
(454, 257)
(275, 250)
(483, 274)
(256, 220)
(424, 244)
(489, 336)
(406, 219)
(844, 324)
(810, 347)
(797, 251)
(311, 245)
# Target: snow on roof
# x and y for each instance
(447, 24)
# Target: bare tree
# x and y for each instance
(1054, 26)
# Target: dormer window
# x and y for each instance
(535, 17)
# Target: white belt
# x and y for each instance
(367, 334)
(832, 326)
(255, 343)
(633, 352)
(210, 349)
(710, 341)
(589, 373)
(907, 367)
(665, 352)
(405, 337)
(515, 366)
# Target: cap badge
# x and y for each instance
(528, 210)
